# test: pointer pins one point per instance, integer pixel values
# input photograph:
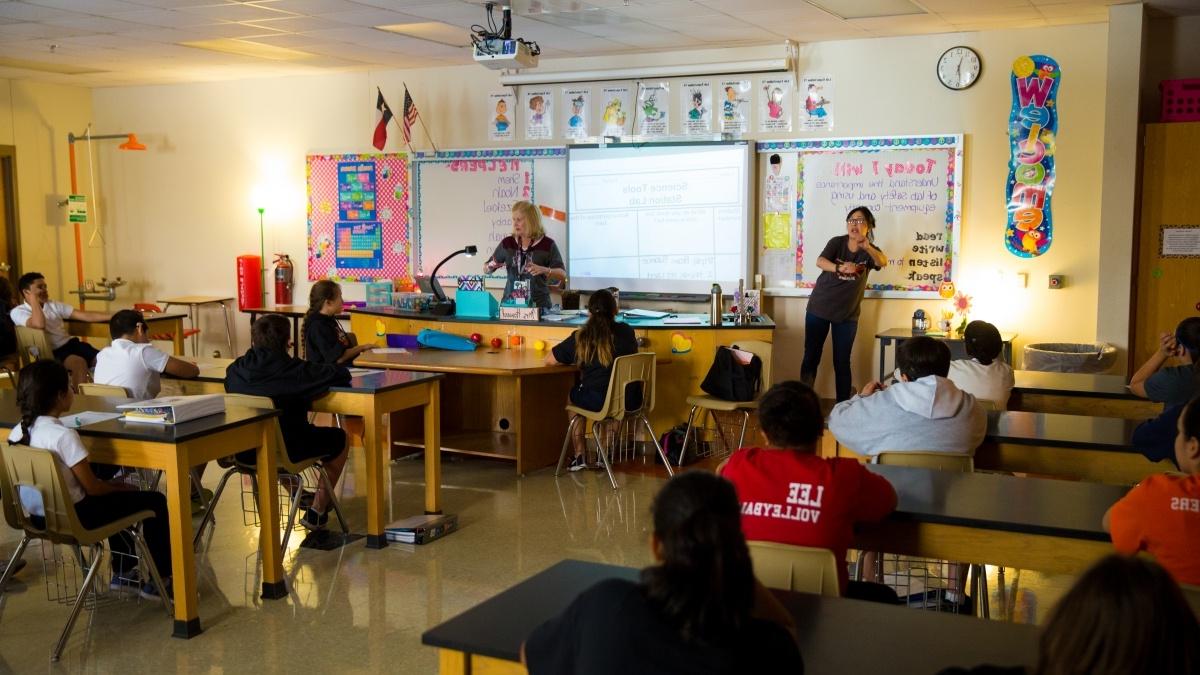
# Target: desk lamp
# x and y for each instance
(444, 306)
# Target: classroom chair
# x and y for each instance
(290, 475)
(711, 404)
(1192, 595)
(108, 390)
(24, 468)
(32, 345)
(634, 373)
(795, 568)
(151, 308)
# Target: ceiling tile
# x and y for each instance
(40, 30)
(24, 12)
(163, 17)
(903, 25)
(96, 24)
(294, 24)
(97, 7)
(235, 12)
(725, 31)
(372, 17)
(311, 7)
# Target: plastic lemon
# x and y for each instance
(1023, 66)
(539, 345)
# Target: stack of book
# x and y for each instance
(421, 529)
(173, 409)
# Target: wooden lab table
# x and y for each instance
(1052, 526)
(174, 449)
(499, 403)
(194, 303)
(897, 336)
(487, 638)
(370, 396)
(155, 323)
(1079, 394)
(294, 312)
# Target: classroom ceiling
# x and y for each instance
(127, 42)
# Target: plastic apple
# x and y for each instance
(497, 343)
(476, 338)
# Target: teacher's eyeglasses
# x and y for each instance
(857, 221)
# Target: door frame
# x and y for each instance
(8, 159)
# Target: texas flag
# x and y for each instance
(385, 116)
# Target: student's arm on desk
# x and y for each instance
(94, 317)
(182, 369)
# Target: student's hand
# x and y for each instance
(30, 296)
(1167, 345)
(872, 387)
(364, 348)
(847, 268)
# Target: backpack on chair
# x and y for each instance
(731, 380)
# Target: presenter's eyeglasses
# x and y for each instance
(857, 221)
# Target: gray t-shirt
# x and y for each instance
(836, 297)
(543, 252)
(1172, 385)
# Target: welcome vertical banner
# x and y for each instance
(1032, 128)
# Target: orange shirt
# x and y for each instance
(1161, 515)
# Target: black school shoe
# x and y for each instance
(313, 520)
(578, 463)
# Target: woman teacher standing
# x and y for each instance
(528, 254)
(845, 264)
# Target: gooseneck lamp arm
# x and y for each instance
(433, 280)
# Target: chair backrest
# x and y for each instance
(626, 370)
(32, 345)
(795, 568)
(265, 403)
(147, 308)
(763, 351)
(942, 461)
(1192, 595)
(94, 389)
(988, 406)
(27, 468)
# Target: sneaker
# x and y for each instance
(313, 520)
(578, 463)
(128, 581)
(198, 503)
(149, 592)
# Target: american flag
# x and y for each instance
(410, 116)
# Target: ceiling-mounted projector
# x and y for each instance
(496, 48)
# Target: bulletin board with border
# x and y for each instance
(358, 217)
(913, 185)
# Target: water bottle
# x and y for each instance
(714, 306)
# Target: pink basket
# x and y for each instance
(1180, 100)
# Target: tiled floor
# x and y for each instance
(356, 610)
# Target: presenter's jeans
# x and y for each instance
(815, 331)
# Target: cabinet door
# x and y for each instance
(1168, 289)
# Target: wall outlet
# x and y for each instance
(1057, 281)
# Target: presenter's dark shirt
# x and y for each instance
(837, 297)
(543, 252)
(613, 628)
(324, 339)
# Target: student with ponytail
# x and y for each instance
(593, 348)
(692, 612)
(44, 394)
(324, 339)
(1172, 385)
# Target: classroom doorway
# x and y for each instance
(10, 248)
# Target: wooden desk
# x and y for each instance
(293, 312)
(1079, 394)
(957, 348)
(194, 302)
(174, 449)
(1052, 526)
(155, 323)
(504, 404)
(371, 397)
(487, 637)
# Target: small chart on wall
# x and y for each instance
(912, 184)
(357, 217)
(465, 197)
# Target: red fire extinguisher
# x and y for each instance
(283, 279)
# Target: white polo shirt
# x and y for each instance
(56, 315)
(135, 366)
(49, 433)
(993, 382)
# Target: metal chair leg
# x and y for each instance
(212, 507)
(12, 563)
(657, 445)
(603, 455)
(566, 442)
(337, 510)
(83, 593)
(742, 436)
(687, 434)
(293, 508)
(984, 601)
(228, 330)
(143, 551)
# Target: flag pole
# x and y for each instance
(422, 120)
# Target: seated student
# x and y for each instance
(984, 375)
(924, 411)
(790, 495)
(692, 612)
(1172, 385)
(130, 360)
(593, 348)
(324, 339)
(1125, 616)
(39, 311)
(1155, 438)
(44, 394)
(1161, 514)
(268, 369)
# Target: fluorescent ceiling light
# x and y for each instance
(648, 72)
(867, 9)
(432, 31)
(255, 50)
(45, 67)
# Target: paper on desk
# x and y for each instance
(82, 419)
(646, 314)
(356, 372)
(389, 350)
(682, 321)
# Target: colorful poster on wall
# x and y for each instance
(575, 112)
(1032, 129)
(501, 108)
(654, 112)
(615, 119)
(696, 107)
(357, 217)
(775, 104)
(817, 91)
(735, 106)
(539, 114)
